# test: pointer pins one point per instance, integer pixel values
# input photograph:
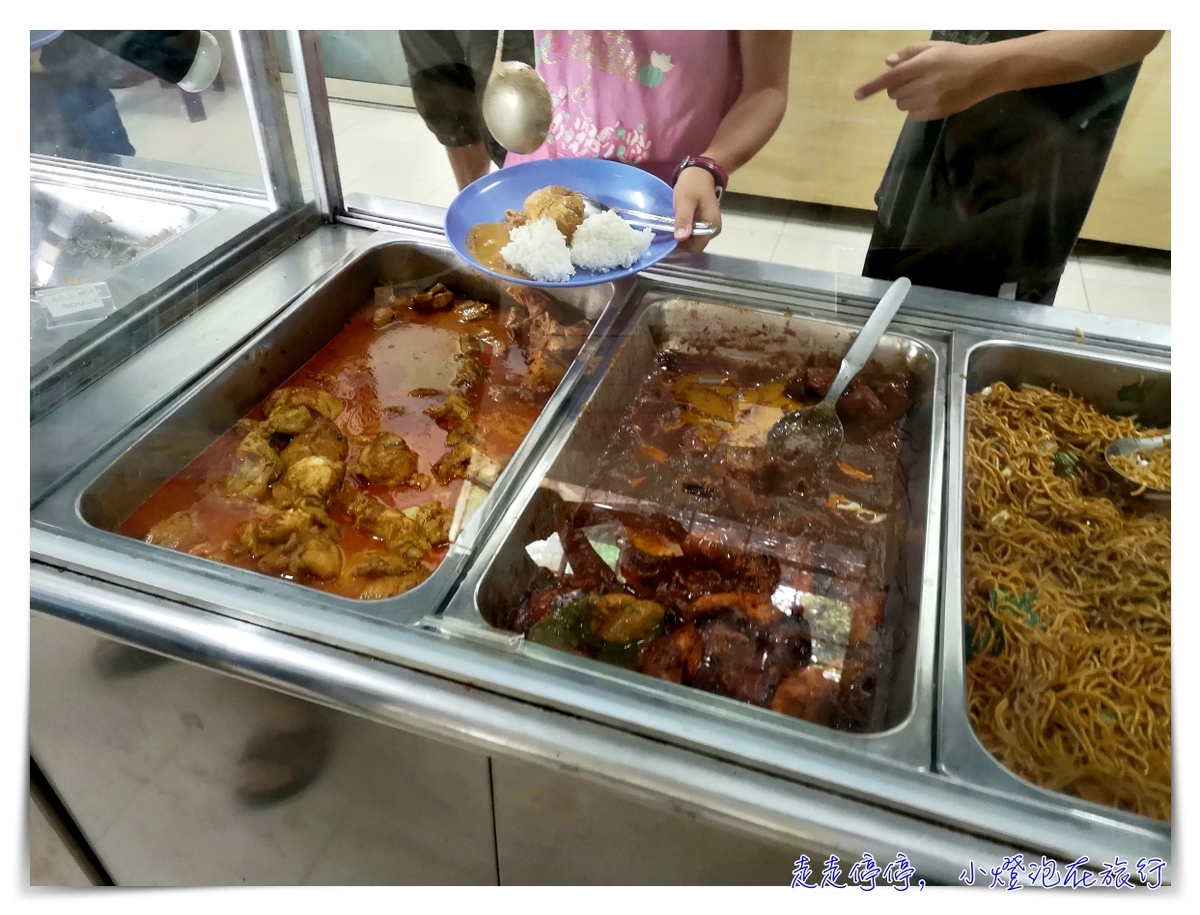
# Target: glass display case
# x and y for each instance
(612, 607)
(123, 245)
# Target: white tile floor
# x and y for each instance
(390, 153)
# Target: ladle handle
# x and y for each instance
(864, 344)
(499, 51)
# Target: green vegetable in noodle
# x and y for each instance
(1064, 463)
(982, 639)
(990, 637)
(1002, 600)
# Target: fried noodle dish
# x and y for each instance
(1067, 596)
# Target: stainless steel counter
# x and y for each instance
(465, 689)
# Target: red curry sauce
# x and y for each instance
(373, 371)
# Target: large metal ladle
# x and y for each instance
(816, 432)
(516, 104)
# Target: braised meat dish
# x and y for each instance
(347, 477)
(695, 555)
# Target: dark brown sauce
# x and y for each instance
(484, 242)
(372, 370)
(757, 579)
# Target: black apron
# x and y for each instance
(997, 194)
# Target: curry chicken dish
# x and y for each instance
(697, 556)
(353, 476)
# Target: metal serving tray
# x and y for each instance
(502, 570)
(976, 362)
(94, 504)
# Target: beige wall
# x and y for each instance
(832, 149)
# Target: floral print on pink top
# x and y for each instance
(645, 98)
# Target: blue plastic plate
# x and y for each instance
(609, 182)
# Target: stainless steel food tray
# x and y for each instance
(94, 503)
(755, 735)
(1096, 375)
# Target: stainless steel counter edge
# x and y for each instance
(945, 307)
(168, 181)
(448, 711)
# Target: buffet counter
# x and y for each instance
(352, 564)
(460, 751)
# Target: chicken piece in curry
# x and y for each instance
(347, 477)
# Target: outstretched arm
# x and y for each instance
(750, 123)
(935, 79)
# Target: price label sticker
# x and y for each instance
(67, 304)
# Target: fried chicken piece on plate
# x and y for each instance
(556, 202)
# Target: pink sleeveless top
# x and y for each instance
(645, 98)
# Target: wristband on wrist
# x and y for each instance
(712, 166)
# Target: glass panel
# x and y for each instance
(137, 180)
(89, 104)
(384, 146)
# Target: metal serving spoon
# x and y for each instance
(816, 431)
(517, 109)
(1123, 447)
(516, 104)
(654, 221)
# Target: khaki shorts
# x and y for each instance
(448, 72)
